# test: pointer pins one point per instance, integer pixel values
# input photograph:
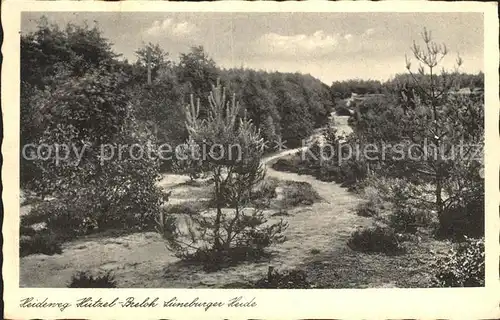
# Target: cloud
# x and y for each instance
(171, 28)
(318, 43)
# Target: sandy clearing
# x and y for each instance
(142, 260)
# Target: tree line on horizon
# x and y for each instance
(345, 88)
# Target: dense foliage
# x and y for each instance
(419, 144)
(463, 266)
(85, 279)
(375, 239)
(286, 105)
(344, 89)
(58, 64)
(76, 101)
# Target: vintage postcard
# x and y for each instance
(237, 160)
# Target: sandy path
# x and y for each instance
(141, 260)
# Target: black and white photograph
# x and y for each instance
(251, 150)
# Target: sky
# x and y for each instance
(329, 46)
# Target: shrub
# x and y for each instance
(292, 279)
(299, 193)
(411, 205)
(184, 164)
(375, 239)
(253, 236)
(367, 209)
(261, 196)
(65, 219)
(343, 111)
(37, 215)
(286, 164)
(84, 279)
(408, 219)
(27, 231)
(214, 260)
(44, 242)
(463, 266)
(352, 173)
(186, 207)
(315, 251)
(464, 218)
(404, 220)
(266, 189)
(97, 209)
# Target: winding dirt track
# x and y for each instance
(142, 261)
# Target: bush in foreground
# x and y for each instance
(463, 267)
(213, 260)
(264, 192)
(375, 239)
(366, 209)
(464, 218)
(84, 279)
(299, 193)
(292, 279)
(286, 164)
(40, 242)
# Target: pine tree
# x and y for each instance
(229, 149)
(447, 129)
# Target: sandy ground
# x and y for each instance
(142, 260)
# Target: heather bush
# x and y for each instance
(366, 209)
(38, 214)
(84, 279)
(43, 241)
(290, 279)
(99, 208)
(463, 266)
(213, 260)
(408, 219)
(65, 219)
(297, 193)
(262, 195)
(27, 231)
(375, 239)
(463, 217)
(374, 204)
(266, 189)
